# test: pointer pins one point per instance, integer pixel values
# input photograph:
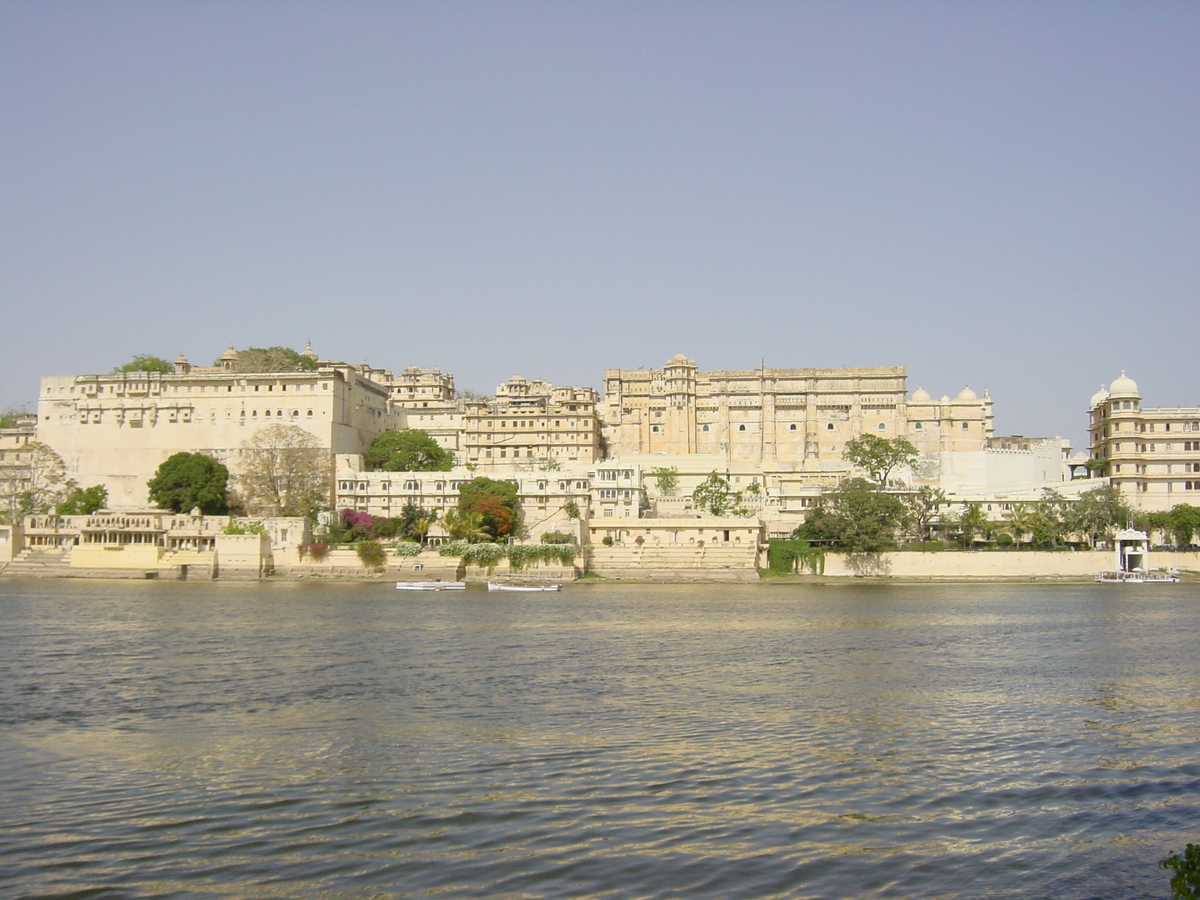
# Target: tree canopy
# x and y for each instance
(83, 501)
(188, 480)
(143, 362)
(272, 359)
(878, 456)
(857, 518)
(495, 501)
(409, 450)
(284, 472)
(1097, 513)
(714, 496)
(11, 416)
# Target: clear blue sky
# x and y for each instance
(1000, 195)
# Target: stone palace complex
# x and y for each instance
(776, 435)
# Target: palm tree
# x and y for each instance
(1021, 519)
(971, 521)
(465, 526)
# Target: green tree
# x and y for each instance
(409, 450)
(972, 522)
(83, 501)
(12, 415)
(415, 522)
(878, 456)
(1185, 883)
(284, 472)
(714, 496)
(465, 526)
(858, 517)
(1183, 523)
(1097, 513)
(1021, 518)
(925, 509)
(371, 553)
(145, 363)
(272, 359)
(188, 480)
(571, 508)
(667, 479)
(495, 501)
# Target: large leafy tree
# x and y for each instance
(925, 509)
(83, 501)
(409, 450)
(715, 496)
(188, 480)
(1097, 513)
(1183, 522)
(877, 456)
(857, 518)
(143, 362)
(12, 415)
(273, 359)
(284, 471)
(495, 501)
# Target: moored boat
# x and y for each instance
(430, 586)
(494, 586)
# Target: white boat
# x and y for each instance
(1152, 576)
(430, 586)
(493, 586)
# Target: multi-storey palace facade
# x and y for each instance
(531, 421)
(1151, 454)
(802, 416)
(116, 429)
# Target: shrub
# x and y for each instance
(554, 537)
(608, 541)
(371, 553)
(1185, 883)
(318, 551)
(406, 548)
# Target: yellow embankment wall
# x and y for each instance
(985, 564)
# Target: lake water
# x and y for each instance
(287, 740)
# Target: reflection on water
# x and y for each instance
(284, 740)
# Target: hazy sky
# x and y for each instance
(1000, 195)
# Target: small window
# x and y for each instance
(741, 428)
(882, 426)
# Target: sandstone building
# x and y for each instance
(1151, 454)
(800, 416)
(116, 429)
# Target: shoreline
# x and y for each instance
(1186, 577)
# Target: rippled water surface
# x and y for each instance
(349, 741)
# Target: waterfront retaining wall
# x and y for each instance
(1018, 564)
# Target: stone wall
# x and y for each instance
(1015, 564)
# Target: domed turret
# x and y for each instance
(229, 359)
(1099, 397)
(308, 351)
(1123, 387)
(920, 395)
(967, 395)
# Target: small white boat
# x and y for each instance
(493, 586)
(1152, 576)
(430, 586)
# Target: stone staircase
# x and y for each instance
(36, 561)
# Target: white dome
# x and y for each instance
(1097, 398)
(1123, 387)
(967, 394)
(920, 395)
